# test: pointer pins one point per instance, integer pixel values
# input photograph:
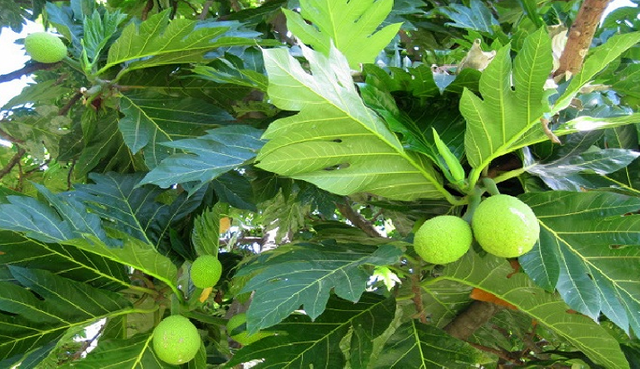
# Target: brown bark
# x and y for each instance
(580, 36)
(357, 220)
(476, 315)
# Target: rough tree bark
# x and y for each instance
(580, 36)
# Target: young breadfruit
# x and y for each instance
(206, 271)
(443, 239)
(505, 226)
(44, 47)
(244, 337)
(176, 340)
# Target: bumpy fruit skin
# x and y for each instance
(244, 337)
(443, 239)
(206, 271)
(44, 47)
(505, 226)
(176, 340)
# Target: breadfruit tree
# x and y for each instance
(322, 183)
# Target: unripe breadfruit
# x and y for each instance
(443, 239)
(244, 337)
(176, 340)
(505, 226)
(206, 271)
(44, 47)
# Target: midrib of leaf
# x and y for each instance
(83, 323)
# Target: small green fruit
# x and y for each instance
(206, 271)
(244, 337)
(443, 239)
(505, 226)
(44, 47)
(176, 340)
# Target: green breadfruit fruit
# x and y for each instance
(244, 337)
(206, 271)
(44, 47)
(176, 340)
(505, 226)
(443, 239)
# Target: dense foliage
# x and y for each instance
(303, 144)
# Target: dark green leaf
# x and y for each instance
(302, 343)
(416, 345)
(211, 155)
(588, 247)
(304, 275)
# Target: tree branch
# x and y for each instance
(12, 163)
(357, 220)
(476, 315)
(581, 35)
(24, 71)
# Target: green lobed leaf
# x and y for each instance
(350, 26)
(63, 304)
(495, 275)
(302, 343)
(132, 353)
(159, 41)
(105, 150)
(99, 30)
(416, 345)
(304, 275)
(65, 261)
(209, 156)
(336, 142)
(564, 173)
(597, 60)
(507, 109)
(588, 248)
(151, 120)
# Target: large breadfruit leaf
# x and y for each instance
(335, 141)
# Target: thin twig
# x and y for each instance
(205, 9)
(15, 160)
(357, 219)
(65, 109)
(504, 355)
(417, 295)
(25, 71)
(145, 11)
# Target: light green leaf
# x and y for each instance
(349, 25)
(99, 30)
(495, 275)
(588, 248)
(304, 275)
(511, 102)
(335, 142)
(159, 41)
(43, 126)
(422, 346)
(578, 124)
(597, 60)
(205, 234)
(303, 343)
(209, 156)
(151, 120)
(27, 322)
(284, 215)
(132, 353)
